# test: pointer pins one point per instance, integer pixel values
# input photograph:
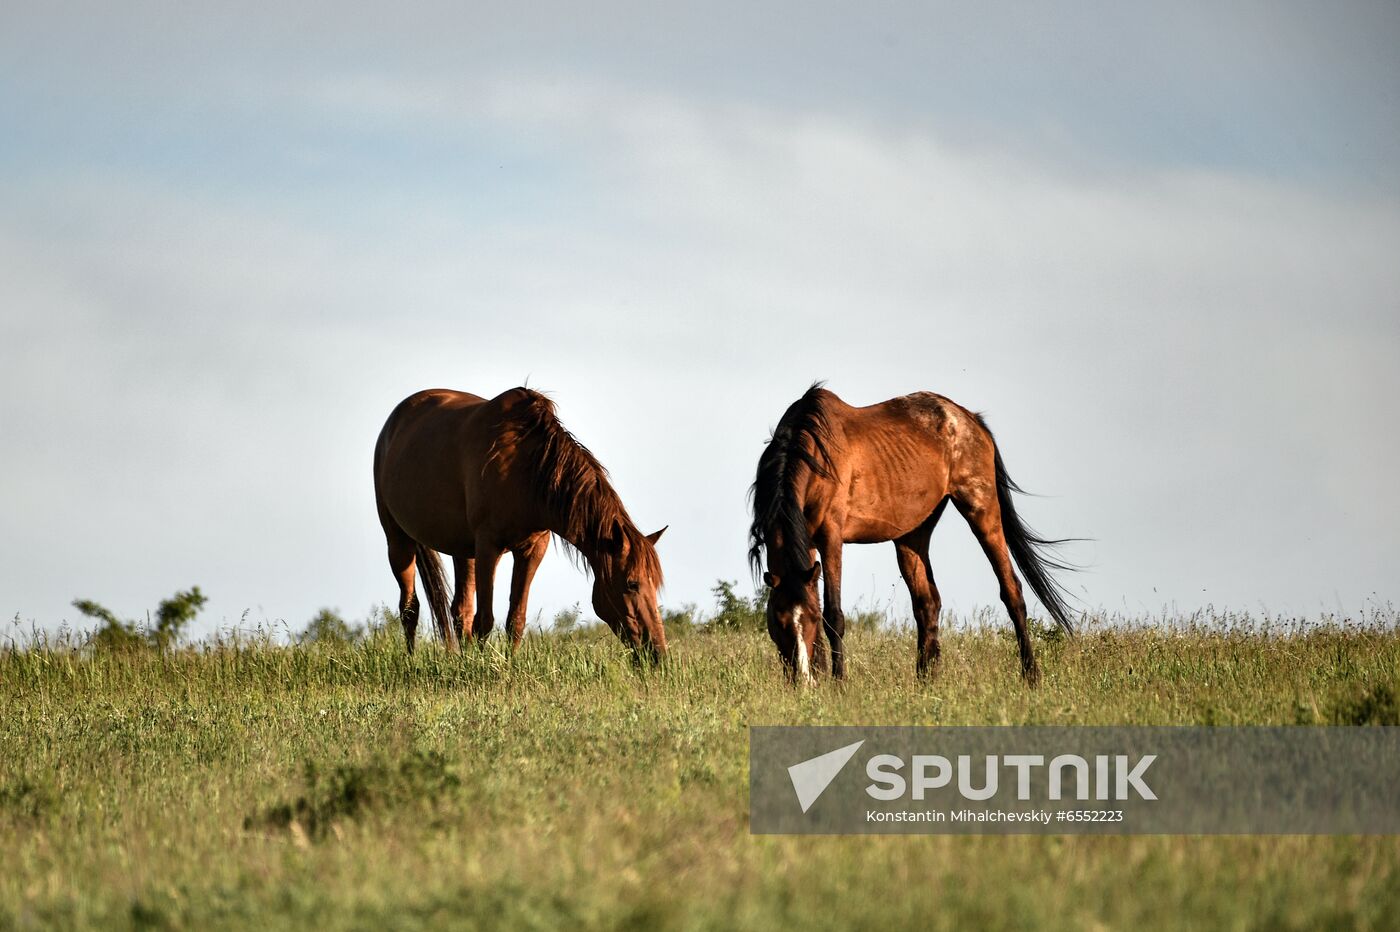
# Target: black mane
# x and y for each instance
(799, 442)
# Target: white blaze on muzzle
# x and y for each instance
(804, 663)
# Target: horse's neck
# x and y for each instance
(587, 542)
(590, 550)
(565, 503)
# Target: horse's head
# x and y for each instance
(625, 581)
(794, 615)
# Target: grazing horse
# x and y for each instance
(457, 474)
(833, 474)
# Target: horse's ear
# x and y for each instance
(770, 580)
(613, 539)
(654, 537)
(812, 573)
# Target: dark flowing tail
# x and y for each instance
(434, 586)
(1031, 551)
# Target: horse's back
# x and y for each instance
(899, 458)
(425, 454)
(431, 402)
(919, 418)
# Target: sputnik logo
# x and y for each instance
(811, 777)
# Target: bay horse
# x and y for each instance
(458, 474)
(833, 474)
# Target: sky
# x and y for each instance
(1156, 244)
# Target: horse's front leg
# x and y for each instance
(833, 619)
(526, 559)
(487, 556)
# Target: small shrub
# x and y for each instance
(867, 619)
(567, 619)
(172, 616)
(1372, 705)
(679, 621)
(327, 627)
(733, 611)
(347, 790)
(116, 637)
(27, 801)
(1304, 713)
(383, 626)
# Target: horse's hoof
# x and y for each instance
(929, 669)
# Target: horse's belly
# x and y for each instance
(444, 529)
(890, 515)
(861, 529)
(425, 497)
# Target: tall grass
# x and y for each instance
(242, 782)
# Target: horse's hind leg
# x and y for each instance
(401, 561)
(402, 550)
(983, 515)
(914, 566)
(463, 595)
(525, 560)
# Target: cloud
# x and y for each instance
(1194, 362)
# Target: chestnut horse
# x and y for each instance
(833, 474)
(473, 478)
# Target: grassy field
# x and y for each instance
(348, 786)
